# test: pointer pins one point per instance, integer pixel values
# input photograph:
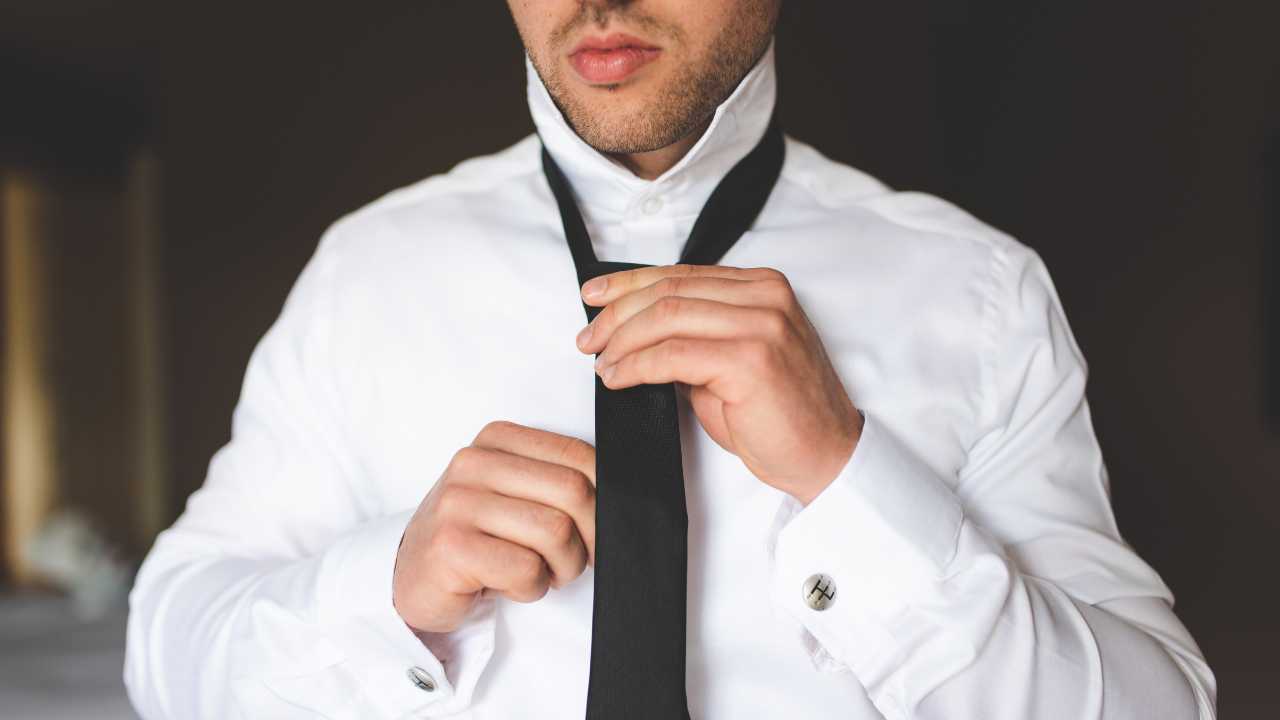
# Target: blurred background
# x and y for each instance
(166, 170)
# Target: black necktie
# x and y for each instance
(638, 621)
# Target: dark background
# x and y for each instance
(1136, 146)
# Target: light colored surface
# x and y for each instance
(30, 459)
(53, 667)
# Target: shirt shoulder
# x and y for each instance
(950, 285)
(858, 199)
(464, 194)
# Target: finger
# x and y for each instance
(555, 486)
(540, 445)
(771, 293)
(568, 492)
(606, 288)
(725, 367)
(541, 528)
(675, 316)
(486, 561)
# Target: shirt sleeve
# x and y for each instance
(270, 596)
(1005, 591)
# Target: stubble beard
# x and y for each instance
(681, 105)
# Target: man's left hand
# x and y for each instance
(759, 379)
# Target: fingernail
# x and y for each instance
(584, 336)
(594, 287)
(599, 361)
(608, 373)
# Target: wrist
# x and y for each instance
(843, 453)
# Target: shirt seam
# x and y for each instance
(998, 265)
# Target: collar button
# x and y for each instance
(652, 206)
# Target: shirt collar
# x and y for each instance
(606, 189)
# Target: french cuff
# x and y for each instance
(399, 673)
(881, 533)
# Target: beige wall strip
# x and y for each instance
(149, 476)
(30, 473)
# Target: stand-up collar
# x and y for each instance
(605, 187)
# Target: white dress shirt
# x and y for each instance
(978, 570)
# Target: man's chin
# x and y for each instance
(611, 126)
(616, 144)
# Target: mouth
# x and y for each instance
(611, 59)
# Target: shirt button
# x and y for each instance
(421, 678)
(652, 205)
(819, 591)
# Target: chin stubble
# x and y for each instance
(683, 103)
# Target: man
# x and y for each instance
(896, 503)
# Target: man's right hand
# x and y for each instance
(514, 512)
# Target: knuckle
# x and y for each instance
(449, 541)
(537, 591)
(494, 429)
(768, 274)
(558, 527)
(529, 568)
(776, 324)
(578, 565)
(575, 451)
(532, 578)
(450, 499)
(668, 306)
(669, 285)
(454, 582)
(578, 489)
(779, 289)
(466, 460)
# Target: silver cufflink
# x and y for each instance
(819, 591)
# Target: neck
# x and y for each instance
(651, 164)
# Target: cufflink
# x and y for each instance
(819, 591)
(421, 678)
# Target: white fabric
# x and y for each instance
(979, 571)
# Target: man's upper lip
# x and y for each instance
(612, 41)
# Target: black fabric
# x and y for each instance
(638, 621)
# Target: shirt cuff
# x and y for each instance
(355, 604)
(883, 532)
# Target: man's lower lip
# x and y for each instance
(611, 66)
